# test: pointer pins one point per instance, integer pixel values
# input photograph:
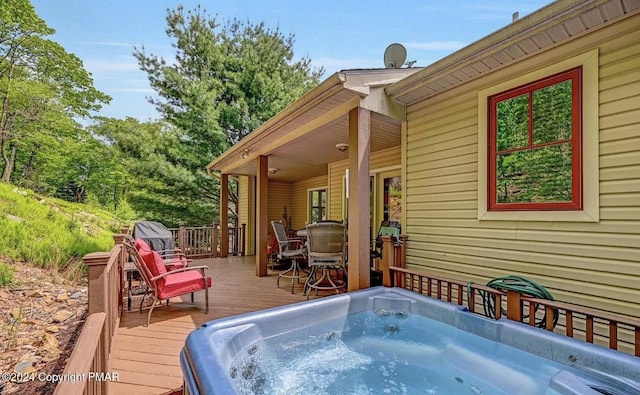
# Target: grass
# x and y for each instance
(50, 233)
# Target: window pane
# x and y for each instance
(513, 123)
(552, 113)
(536, 175)
(392, 199)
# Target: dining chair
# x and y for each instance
(326, 249)
(289, 248)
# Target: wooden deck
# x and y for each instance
(147, 358)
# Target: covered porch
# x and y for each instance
(332, 140)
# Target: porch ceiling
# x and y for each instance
(301, 141)
(309, 155)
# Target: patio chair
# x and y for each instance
(173, 258)
(326, 250)
(289, 248)
(164, 284)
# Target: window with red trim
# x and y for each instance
(535, 145)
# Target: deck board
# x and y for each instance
(147, 358)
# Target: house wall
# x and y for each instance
(279, 196)
(379, 160)
(299, 199)
(247, 210)
(588, 263)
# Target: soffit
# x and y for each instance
(310, 155)
(549, 27)
(301, 140)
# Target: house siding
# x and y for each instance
(279, 196)
(382, 159)
(246, 211)
(595, 264)
(299, 199)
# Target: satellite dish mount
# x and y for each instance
(394, 56)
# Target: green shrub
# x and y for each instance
(6, 274)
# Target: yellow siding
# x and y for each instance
(299, 199)
(594, 264)
(379, 160)
(279, 198)
(246, 210)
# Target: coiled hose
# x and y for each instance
(520, 284)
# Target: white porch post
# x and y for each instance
(359, 148)
(224, 215)
(262, 217)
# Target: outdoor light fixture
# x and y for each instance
(342, 147)
(245, 154)
(273, 170)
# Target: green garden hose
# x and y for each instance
(520, 284)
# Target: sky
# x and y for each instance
(335, 35)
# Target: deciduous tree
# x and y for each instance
(38, 78)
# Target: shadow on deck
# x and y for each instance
(147, 358)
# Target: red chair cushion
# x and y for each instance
(177, 263)
(154, 262)
(182, 283)
(142, 245)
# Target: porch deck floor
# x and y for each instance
(147, 358)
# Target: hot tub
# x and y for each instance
(393, 341)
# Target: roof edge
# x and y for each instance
(553, 13)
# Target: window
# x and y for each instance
(317, 205)
(513, 184)
(535, 145)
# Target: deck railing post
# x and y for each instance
(243, 236)
(403, 258)
(119, 241)
(214, 240)
(514, 306)
(387, 260)
(98, 294)
(181, 237)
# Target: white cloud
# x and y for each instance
(436, 45)
(112, 44)
(99, 66)
(133, 90)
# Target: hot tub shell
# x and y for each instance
(210, 350)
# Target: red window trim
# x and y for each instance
(575, 75)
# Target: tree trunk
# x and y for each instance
(27, 172)
(4, 135)
(9, 163)
(80, 194)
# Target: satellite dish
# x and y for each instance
(395, 56)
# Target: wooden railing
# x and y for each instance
(90, 356)
(204, 241)
(612, 330)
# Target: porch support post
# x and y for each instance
(359, 148)
(224, 215)
(262, 217)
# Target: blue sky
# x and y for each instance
(334, 34)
